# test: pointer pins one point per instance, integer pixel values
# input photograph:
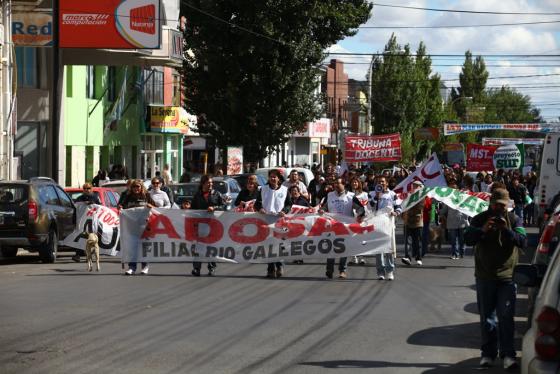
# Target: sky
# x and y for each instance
(539, 39)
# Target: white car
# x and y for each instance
(541, 343)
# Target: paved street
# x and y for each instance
(58, 318)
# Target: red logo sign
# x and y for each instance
(142, 19)
(480, 157)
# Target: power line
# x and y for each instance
(437, 55)
(455, 65)
(461, 26)
(466, 11)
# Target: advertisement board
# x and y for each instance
(426, 133)
(320, 128)
(381, 148)
(168, 119)
(32, 29)
(234, 160)
(480, 157)
(115, 24)
(509, 157)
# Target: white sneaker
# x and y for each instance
(390, 276)
(510, 363)
(419, 262)
(362, 261)
(486, 362)
(129, 272)
(145, 270)
(381, 277)
(353, 260)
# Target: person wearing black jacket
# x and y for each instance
(207, 198)
(247, 195)
(518, 193)
(294, 198)
(315, 187)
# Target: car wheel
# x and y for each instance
(9, 251)
(49, 249)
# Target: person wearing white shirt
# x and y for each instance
(293, 180)
(160, 197)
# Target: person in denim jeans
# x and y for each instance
(455, 223)
(496, 235)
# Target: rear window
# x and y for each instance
(221, 187)
(12, 194)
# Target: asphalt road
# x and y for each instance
(58, 318)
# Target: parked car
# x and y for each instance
(183, 191)
(228, 187)
(305, 175)
(34, 214)
(107, 196)
(242, 179)
(541, 343)
(119, 185)
(548, 244)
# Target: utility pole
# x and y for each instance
(55, 97)
(7, 104)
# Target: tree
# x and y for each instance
(251, 67)
(472, 80)
(405, 95)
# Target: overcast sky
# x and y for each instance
(543, 39)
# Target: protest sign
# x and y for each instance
(379, 148)
(509, 157)
(480, 157)
(463, 202)
(459, 128)
(167, 235)
(429, 173)
(98, 219)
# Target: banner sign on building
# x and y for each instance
(320, 128)
(32, 29)
(234, 160)
(463, 202)
(480, 157)
(95, 219)
(426, 133)
(116, 24)
(429, 173)
(509, 157)
(168, 119)
(174, 235)
(507, 141)
(380, 148)
(459, 128)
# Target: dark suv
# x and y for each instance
(34, 215)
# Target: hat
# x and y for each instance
(500, 196)
(417, 183)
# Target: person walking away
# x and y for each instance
(517, 193)
(137, 197)
(160, 198)
(455, 222)
(414, 222)
(345, 203)
(497, 235)
(271, 200)
(207, 198)
(385, 198)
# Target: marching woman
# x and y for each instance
(271, 200)
(137, 197)
(158, 195)
(245, 201)
(207, 198)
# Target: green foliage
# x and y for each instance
(255, 90)
(405, 96)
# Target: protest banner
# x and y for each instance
(429, 173)
(509, 157)
(453, 198)
(98, 219)
(480, 157)
(168, 235)
(380, 148)
(506, 141)
(459, 128)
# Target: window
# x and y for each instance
(47, 195)
(64, 198)
(90, 82)
(176, 90)
(153, 86)
(110, 199)
(112, 83)
(27, 67)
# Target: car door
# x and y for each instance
(67, 213)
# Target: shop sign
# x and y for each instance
(32, 29)
(116, 24)
(509, 157)
(426, 133)
(168, 119)
(320, 128)
(480, 157)
(234, 160)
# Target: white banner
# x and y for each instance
(459, 128)
(463, 202)
(430, 173)
(99, 219)
(163, 235)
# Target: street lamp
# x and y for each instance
(458, 99)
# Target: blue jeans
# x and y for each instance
(415, 234)
(341, 264)
(456, 237)
(518, 209)
(496, 307)
(385, 263)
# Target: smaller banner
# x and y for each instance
(32, 29)
(509, 157)
(98, 219)
(234, 160)
(168, 119)
(379, 148)
(429, 173)
(453, 198)
(480, 157)
(426, 133)
(507, 141)
(459, 128)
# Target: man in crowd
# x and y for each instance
(517, 193)
(88, 197)
(413, 224)
(496, 235)
(293, 180)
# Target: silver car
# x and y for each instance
(541, 343)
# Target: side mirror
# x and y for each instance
(526, 275)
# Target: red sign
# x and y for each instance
(117, 24)
(379, 148)
(480, 157)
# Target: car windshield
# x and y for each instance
(74, 195)
(12, 194)
(220, 186)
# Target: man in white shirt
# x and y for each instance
(293, 180)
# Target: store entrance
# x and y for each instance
(151, 162)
